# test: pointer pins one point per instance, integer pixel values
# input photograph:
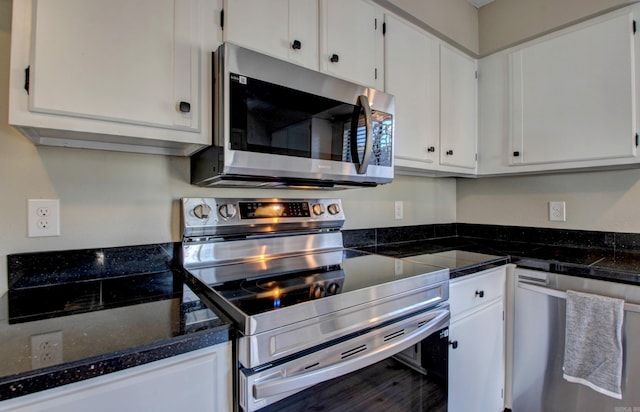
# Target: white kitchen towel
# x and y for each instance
(593, 342)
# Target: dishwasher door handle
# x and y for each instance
(629, 307)
(303, 380)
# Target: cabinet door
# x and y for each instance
(476, 363)
(197, 381)
(411, 75)
(458, 109)
(351, 41)
(572, 96)
(272, 27)
(119, 60)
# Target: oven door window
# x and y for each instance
(387, 385)
(268, 118)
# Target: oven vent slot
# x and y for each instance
(422, 323)
(393, 335)
(353, 351)
(312, 366)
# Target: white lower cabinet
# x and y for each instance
(194, 381)
(477, 342)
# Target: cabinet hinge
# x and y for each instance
(26, 80)
(637, 139)
(222, 19)
(476, 74)
(476, 157)
(634, 27)
(502, 393)
(384, 28)
(375, 24)
(375, 73)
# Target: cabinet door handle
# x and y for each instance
(480, 293)
(431, 149)
(334, 58)
(454, 344)
(296, 45)
(449, 152)
(516, 154)
(184, 107)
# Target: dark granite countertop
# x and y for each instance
(597, 263)
(113, 309)
(121, 307)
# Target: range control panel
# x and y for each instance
(258, 210)
(227, 216)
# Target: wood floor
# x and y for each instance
(386, 386)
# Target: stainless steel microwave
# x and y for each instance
(276, 124)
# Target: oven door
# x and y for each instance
(358, 371)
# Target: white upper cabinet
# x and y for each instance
(572, 97)
(458, 109)
(436, 101)
(351, 43)
(412, 76)
(343, 39)
(286, 29)
(564, 101)
(116, 74)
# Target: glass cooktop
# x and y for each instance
(267, 285)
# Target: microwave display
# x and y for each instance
(273, 119)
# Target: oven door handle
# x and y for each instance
(277, 386)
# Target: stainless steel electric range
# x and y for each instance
(307, 309)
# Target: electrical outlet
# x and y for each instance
(399, 267)
(399, 212)
(46, 349)
(43, 217)
(557, 212)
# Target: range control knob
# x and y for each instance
(332, 289)
(202, 211)
(318, 209)
(227, 211)
(333, 208)
(317, 291)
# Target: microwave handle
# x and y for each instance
(363, 102)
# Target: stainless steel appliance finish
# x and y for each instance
(539, 330)
(307, 309)
(282, 380)
(277, 124)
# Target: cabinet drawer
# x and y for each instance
(476, 290)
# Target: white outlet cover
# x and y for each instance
(557, 211)
(43, 217)
(46, 349)
(398, 209)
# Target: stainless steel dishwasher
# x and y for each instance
(538, 334)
